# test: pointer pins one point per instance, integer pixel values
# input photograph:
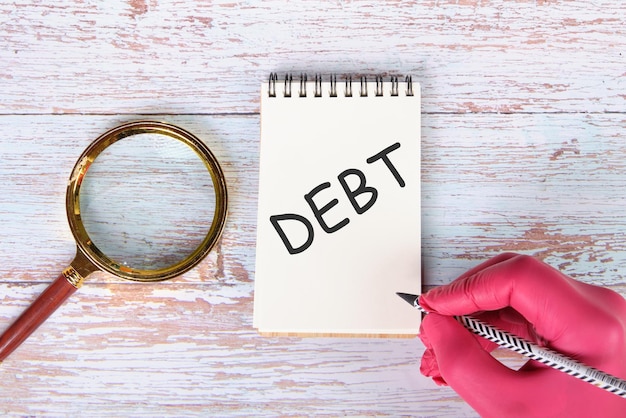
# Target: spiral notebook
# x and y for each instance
(339, 206)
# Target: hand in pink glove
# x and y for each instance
(522, 295)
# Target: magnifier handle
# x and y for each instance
(36, 314)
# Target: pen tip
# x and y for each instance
(410, 299)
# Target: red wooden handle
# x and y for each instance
(35, 315)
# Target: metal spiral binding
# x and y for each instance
(272, 85)
(318, 85)
(347, 92)
(409, 85)
(302, 85)
(363, 87)
(394, 86)
(333, 85)
(288, 80)
(379, 86)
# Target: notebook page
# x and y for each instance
(350, 228)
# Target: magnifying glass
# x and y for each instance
(146, 201)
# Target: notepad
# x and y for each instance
(339, 224)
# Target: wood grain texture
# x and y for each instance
(547, 185)
(522, 150)
(471, 56)
(45, 305)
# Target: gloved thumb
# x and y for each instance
(464, 364)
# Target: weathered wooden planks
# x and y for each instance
(209, 57)
(522, 150)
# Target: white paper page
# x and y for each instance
(345, 281)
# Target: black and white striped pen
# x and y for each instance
(544, 355)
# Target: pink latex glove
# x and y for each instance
(527, 297)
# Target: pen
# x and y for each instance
(526, 348)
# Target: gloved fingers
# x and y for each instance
(541, 294)
(454, 356)
(508, 319)
(430, 368)
(438, 292)
(494, 390)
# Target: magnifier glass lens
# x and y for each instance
(147, 201)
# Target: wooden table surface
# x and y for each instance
(523, 149)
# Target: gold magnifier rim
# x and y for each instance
(97, 257)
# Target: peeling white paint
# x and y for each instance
(522, 150)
